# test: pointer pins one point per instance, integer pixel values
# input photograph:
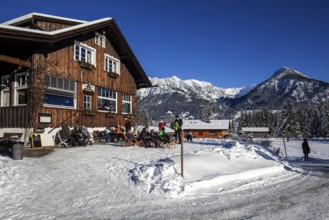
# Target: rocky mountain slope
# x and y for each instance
(285, 83)
(181, 96)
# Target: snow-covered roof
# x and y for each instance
(202, 125)
(26, 17)
(255, 129)
(51, 33)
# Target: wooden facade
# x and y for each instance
(65, 63)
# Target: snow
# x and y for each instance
(223, 179)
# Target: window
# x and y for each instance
(111, 64)
(84, 53)
(87, 102)
(107, 100)
(100, 39)
(126, 103)
(5, 92)
(212, 133)
(60, 92)
(21, 89)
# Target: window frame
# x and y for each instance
(5, 90)
(78, 57)
(108, 58)
(18, 87)
(87, 103)
(100, 39)
(107, 96)
(51, 90)
(127, 102)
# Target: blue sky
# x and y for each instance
(229, 43)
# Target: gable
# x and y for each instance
(14, 32)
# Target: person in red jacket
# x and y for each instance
(161, 125)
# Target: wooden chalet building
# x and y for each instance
(55, 69)
(202, 129)
(258, 132)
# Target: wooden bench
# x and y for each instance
(11, 136)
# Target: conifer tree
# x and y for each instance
(324, 109)
(206, 113)
(143, 118)
(304, 122)
(315, 121)
(289, 124)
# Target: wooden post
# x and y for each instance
(182, 153)
(285, 149)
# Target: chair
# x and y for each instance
(128, 142)
(63, 142)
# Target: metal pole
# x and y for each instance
(182, 153)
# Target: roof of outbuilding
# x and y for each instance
(202, 125)
(255, 129)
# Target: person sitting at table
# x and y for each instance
(164, 137)
(145, 136)
(130, 135)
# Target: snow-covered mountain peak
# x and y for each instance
(190, 87)
(286, 72)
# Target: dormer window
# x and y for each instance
(84, 53)
(112, 65)
(100, 39)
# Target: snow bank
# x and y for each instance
(225, 165)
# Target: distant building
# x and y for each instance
(256, 131)
(202, 129)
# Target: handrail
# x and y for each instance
(63, 121)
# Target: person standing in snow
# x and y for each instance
(306, 149)
(178, 129)
(161, 125)
(127, 124)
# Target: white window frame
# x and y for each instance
(20, 84)
(100, 96)
(87, 103)
(127, 101)
(88, 50)
(59, 90)
(100, 39)
(5, 90)
(107, 60)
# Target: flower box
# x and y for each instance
(110, 115)
(113, 75)
(86, 65)
(89, 112)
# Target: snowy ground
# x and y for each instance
(223, 179)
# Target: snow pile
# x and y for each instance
(160, 177)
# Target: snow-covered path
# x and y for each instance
(99, 182)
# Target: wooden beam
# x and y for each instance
(13, 60)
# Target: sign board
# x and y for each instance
(44, 118)
(35, 140)
(87, 88)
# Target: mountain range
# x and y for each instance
(190, 97)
